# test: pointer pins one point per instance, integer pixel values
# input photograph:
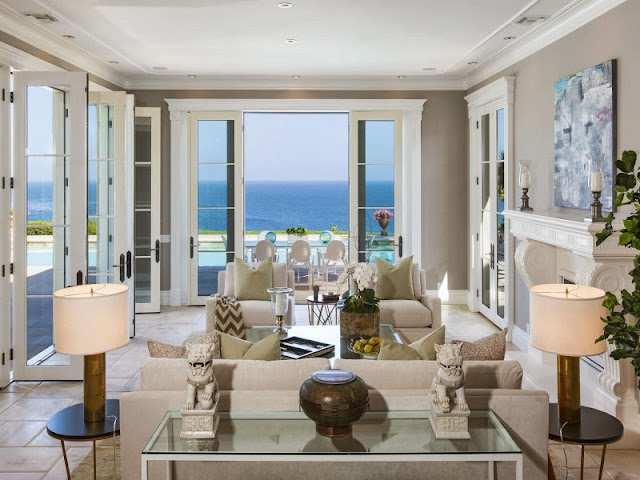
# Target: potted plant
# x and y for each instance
(296, 233)
(360, 315)
(383, 217)
(622, 325)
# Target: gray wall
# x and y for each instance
(444, 171)
(614, 35)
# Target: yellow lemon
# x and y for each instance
(368, 348)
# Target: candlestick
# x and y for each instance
(596, 181)
(525, 201)
(596, 208)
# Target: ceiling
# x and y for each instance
(395, 44)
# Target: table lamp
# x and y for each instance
(566, 320)
(90, 320)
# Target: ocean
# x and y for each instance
(268, 205)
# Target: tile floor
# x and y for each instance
(27, 452)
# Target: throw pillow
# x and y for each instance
(235, 348)
(395, 282)
(159, 349)
(422, 349)
(250, 284)
(492, 347)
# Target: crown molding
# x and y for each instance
(279, 83)
(20, 60)
(569, 19)
(19, 27)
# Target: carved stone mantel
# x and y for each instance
(557, 245)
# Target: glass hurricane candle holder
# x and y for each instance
(524, 181)
(279, 306)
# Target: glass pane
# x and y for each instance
(100, 259)
(210, 262)
(484, 137)
(215, 186)
(143, 140)
(100, 130)
(100, 187)
(500, 186)
(376, 240)
(39, 326)
(485, 249)
(375, 186)
(143, 280)
(500, 135)
(215, 229)
(143, 186)
(486, 283)
(376, 140)
(45, 133)
(143, 234)
(215, 141)
(500, 272)
(486, 182)
(45, 190)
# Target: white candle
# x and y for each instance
(280, 303)
(596, 181)
(525, 179)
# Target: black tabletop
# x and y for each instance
(321, 299)
(69, 424)
(595, 427)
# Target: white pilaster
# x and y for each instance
(178, 205)
(412, 176)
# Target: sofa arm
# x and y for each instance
(210, 313)
(433, 303)
(221, 278)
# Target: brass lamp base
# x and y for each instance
(568, 389)
(94, 388)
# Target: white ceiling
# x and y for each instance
(240, 40)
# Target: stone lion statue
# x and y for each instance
(201, 384)
(449, 381)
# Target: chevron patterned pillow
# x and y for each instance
(228, 316)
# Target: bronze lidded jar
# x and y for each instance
(334, 399)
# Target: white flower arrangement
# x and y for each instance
(364, 278)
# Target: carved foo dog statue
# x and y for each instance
(199, 419)
(448, 385)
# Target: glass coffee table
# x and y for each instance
(396, 436)
(325, 334)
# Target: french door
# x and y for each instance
(147, 209)
(216, 219)
(375, 185)
(5, 234)
(50, 216)
(110, 192)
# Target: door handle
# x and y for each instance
(79, 277)
(157, 250)
(492, 255)
(399, 245)
(121, 267)
(191, 247)
(129, 264)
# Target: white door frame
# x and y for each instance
(5, 231)
(178, 109)
(153, 113)
(76, 174)
(498, 94)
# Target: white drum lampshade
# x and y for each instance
(566, 319)
(90, 319)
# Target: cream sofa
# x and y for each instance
(413, 319)
(254, 312)
(252, 385)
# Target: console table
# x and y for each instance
(248, 438)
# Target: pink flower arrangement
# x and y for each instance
(382, 215)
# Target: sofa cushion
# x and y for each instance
(232, 347)
(405, 313)
(394, 281)
(168, 374)
(492, 347)
(279, 278)
(415, 279)
(252, 283)
(422, 349)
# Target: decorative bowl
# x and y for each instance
(368, 356)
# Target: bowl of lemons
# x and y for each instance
(367, 347)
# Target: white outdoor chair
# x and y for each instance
(300, 256)
(335, 255)
(265, 249)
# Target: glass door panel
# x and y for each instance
(486, 245)
(216, 225)
(147, 210)
(377, 191)
(500, 195)
(6, 228)
(49, 214)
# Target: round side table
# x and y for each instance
(595, 428)
(321, 310)
(68, 424)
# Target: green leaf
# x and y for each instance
(628, 161)
(627, 180)
(625, 238)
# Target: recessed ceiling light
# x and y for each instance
(295, 76)
(428, 69)
(401, 77)
(42, 17)
(509, 38)
(114, 62)
(68, 37)
(290, 40)
(472, 63)
(191, 76)
(160, 68)
(285, 5)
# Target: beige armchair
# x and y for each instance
(414, 318)
(254, 312)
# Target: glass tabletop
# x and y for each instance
(325, 334)
(291, 433)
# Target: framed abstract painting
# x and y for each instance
(584, 124)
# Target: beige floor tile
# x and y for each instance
(9, 398)
(28, 459)
(22, 476)
(623, 464)
(75, 456)
(122, 371)
(57, 389)
(569, 455)
(20, 387)
(19, 434)
(35, 408)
